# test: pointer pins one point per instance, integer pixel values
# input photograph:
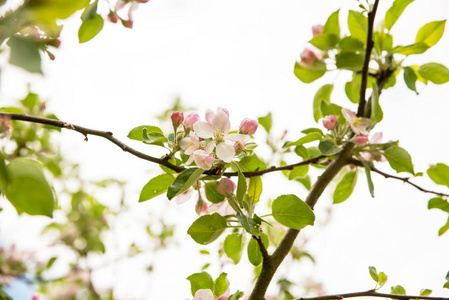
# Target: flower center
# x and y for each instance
(218, 136)
(356, 121)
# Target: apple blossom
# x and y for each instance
(361, 140)
(317, 29)
(204, 294)
(358, 124)
(329, 122)
(225, 187)
(177, 118)
(193, 143)
(203, 159)
(248, 126)
(308, 57)
(239, 146)
(190, 119)
(201, 207)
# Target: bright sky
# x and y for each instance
(240, 55)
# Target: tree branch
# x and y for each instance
(404, 179)
(161, 161)
(265, 255)
(371, 293)
(365, 68)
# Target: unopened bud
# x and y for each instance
(239, 146)
(361, 140)
(308, 57)
(177, 118)
(248, 126)
(329, 122)
(317, 29)
(225, 187)
(190, 120)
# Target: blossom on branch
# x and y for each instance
(358, 125)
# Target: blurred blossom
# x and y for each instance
(317, 29)
(329, 122)
(308, 57)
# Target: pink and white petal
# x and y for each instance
(210, 115)
(204, 294)
(237, 137)
(221, 122)
(225, 296)
(348, 115)
(184, 196)
(184, 143)
(224, 110)
(376, 138)
(203, 129)
(203, 159)
(223, 208)
(225, 152)
(209, 147)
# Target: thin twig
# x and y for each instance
(404, 179)
(265, 255)
(371, 293)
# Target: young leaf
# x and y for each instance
(184, 181)
(410, 78)
(300, 171)
(349, 61)
(25, 53)
(382, 279)
(431, 33)
(439, 173)
(308, 74)
(350, 44)
(207, 229)
(395, 12)
(252, 163)
(292, 212)
(368, 178)
(328, 148)
(233, 247)
(425, 292)
(399, 159)
(156, 186)
(376, 111)
(310, 137)
(136, 132)
(221, 284)
(358, 25)
(253, 250)
(241, 186)
(398, 290)
(255, 189)
(28, 189)
(437, 73)
(439, 203)
(211, 192)
(345, 187)
(332, 25)
(200, 281)
(373, 273)
(325, 41)
(266, 122)
(90, 28)
(251, 225)
(323, 94)
(302, 151)
(153, 138)
(416, 48)
(444, 228)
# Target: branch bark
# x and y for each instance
(371, 293)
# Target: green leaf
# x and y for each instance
(253, 251)
(446, 285)
(200, 281)
(90, 12)
(399, 159)
(27, 188)
(251, 225)
(255, 189)
(369, 180)
(395, 12)
(323, 94)
(252, 163)
(137, 132)
(207, 229)
(345, 187)
(350, 44)
(398, 290)
(233, 247)
(221, 284)
(300, 171)
(425, 292)
(376, 111)
(4, 295)
(184, 181)
(328, 148)
(308, 74)
(437, 73)
(349, 61)
(266, 122)
(309, 130)
(382, 279)
(410, 78)
(444, 228)
(236, 296)
(332, 25)
(417, 48)
(358, 25)
(153, 138)
(310, 137)
(25, 53)
(373, 273)
(431, 33)
(90, 28)
(302, 151)
(156, 186)
(439, 203)
(439, 173)
(212, 194)
(325, 41)
(305, 181)
(292, 212)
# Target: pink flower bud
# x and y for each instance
(127, 23)
(177, 118)
(361, 140)
(248, 126)
(329, 122)
(225, 187)
(317, 29)
(239, 146)
(190, 120)
(308, 57)
(201, 208)
(112, 17)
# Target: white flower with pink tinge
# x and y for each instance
(217, 126)
(358, 124)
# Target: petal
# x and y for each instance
(348, 115)
(203, 129)
(210, 115)
(225, 152)
(223, 110)
(184, 143)
(184, 196)
(221, 122)
(376, 138)
(235, 137)
(204, 294)
(203, 159)
(209, 147)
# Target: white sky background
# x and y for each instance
(240, 55)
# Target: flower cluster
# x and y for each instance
(209, 143)
(132, 5)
